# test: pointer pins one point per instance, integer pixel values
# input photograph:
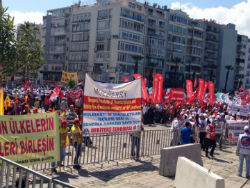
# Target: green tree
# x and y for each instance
(7, 42)
(29, 53)
(71, 83)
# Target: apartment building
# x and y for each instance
(227, 51)
(194, 49)
(56, 33)
(246, 80)
(115, 38)
(211, 50)
(242, 66)
(176, 48)
(156, 21)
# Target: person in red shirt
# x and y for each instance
(210, 136)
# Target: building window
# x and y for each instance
(103, 24)
(104, 14)
(131, 36)
(79, 47)
(79, 27)
(130, 47)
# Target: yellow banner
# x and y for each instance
(66, 76)
(30, 139)
(1, 101)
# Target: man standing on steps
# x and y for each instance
(243, 151)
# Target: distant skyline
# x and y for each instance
(223, 11)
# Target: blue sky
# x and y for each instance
(43, 5)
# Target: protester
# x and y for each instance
(243, 151)
(202, 130)
(77, 142)
(210, 137)
(186, 133)
(135, 144)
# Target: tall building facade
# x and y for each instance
(176, 48)
(227, 51)
(56, 33)
(242, 62)
(115, 38)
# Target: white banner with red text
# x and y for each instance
(235, 128)
(111, 107)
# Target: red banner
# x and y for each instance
(200, 90)
(125, 79)
(189, 86)
(176, 94)
(144, 91)
(204, 90)
(159, 88)
(154, 89)
(195, 82)
(145, 80)
(211, 92)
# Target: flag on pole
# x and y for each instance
(1, 101)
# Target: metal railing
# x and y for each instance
(101, 148)
(17, 176)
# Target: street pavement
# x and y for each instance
(145, 172)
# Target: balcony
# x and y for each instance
(154, 65)
(137, 18)
(57, 50)
(58, 31)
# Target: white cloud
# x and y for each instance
(21, 17)
(238, 14)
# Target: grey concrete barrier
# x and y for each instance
(169, 157)
(191, 175)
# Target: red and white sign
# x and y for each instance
(175, 94)
(235, 128)
(112, 107)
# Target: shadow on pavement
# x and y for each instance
(63, 176)
(221, 160)
(107, 175)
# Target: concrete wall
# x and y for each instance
(169, 157)
(191, 175)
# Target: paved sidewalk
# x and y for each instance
(145, 173)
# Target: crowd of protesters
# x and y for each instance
(206, 124)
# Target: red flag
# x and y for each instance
(144, 91)
(159, 88)
(195, 82)
(55, 94)
(200, 90)
(211, 92)
(189, 87)
(26, 86)
(204, 90)
(154, 89)
(125, 79)
(145, 80)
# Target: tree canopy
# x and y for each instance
(19, 52)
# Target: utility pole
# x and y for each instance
(1, 3)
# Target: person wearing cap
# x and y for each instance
(63, 131)
(76, 133)
(202, 123)
(186, 133)
(210, 140)
(218, 131)
(71, 114)
(243, 151)
(35, 110)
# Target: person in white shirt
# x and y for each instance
(202, 130)
(243, 151)
(218, 132)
